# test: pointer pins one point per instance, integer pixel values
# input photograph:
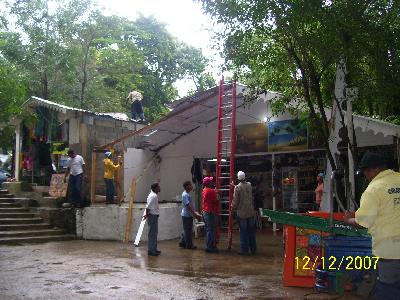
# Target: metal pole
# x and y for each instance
(350, 95)
(17, 152)
(273, 190)
(331, 194)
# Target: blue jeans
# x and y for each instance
(388, 283)
(247, 227)
(110, 190)
(187, 240)
(137, 111)
(210, 221)
(152, 222)
(75, 185)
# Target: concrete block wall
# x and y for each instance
(108, 222)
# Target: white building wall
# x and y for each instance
(177, 158)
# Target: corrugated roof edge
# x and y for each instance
(63, 108)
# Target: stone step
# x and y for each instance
(9, 205)
(35, 239)
(21, 221)
(19, 227)
(10, 200)
(3, 192)
(29, 233)
(18, 215)
(6, 196)
(13, 210)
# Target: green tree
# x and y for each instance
(293, 46)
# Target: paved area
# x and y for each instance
(113, 270)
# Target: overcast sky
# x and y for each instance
(184, 19)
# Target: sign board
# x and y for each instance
(58, 188)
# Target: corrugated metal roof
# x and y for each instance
(36, 101)
(190, 113)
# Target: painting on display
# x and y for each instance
(287, 135)
(58, 188)
(251, 138)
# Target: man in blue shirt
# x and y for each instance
(187, 214)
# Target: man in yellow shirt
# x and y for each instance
(109, 169)
(380, 212)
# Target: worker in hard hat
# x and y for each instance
(109, 170)
(135, 99)
(244, 206)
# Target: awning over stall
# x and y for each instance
(190, 113)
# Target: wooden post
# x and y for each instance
(93, 179)
(120, 194)
(130, 211)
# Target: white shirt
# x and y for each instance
(75, 165)
(135, 96)
(152, 204)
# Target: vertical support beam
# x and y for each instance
(128, 227)
(273, 189)
(351, 94)
(93, 179)
(120, 193)
(17, 158)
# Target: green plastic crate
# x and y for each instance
(315, 223)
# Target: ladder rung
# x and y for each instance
(227, 126)
(227, 215)
(225, 173)
(227, 106)
(224, 189)
(224, 177)
(226, 118)
(225, 129)
(226, 141)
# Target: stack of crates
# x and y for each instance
(348, 256)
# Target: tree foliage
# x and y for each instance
(69, 52)
(293, 46)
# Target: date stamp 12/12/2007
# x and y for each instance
(337, 263)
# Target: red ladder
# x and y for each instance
(225, 166)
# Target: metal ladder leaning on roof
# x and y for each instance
(225, 165)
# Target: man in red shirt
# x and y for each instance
(210, 213)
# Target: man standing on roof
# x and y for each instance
(380, 212)
(75, 170)
(109, 169)
(243, 204)
(135, 99)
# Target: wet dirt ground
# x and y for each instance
(113, 270)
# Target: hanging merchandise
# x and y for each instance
(196, 171)
(59, 148)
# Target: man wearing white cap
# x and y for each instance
(243, 204)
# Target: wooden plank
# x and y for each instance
(93, 179)
(130, 211)
(120, 180)
(140, 231)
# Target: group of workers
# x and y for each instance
(379, 212)
(242, 203)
